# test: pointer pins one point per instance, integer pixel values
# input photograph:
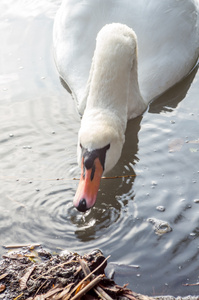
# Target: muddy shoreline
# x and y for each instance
(35, 274)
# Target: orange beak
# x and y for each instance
(86, 193)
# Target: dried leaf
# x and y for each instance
(2, 288)
(24, 279)
(3, 276)
(39, 297)
(52, 292)
(64, 292)
(80, 287)
(176, 145)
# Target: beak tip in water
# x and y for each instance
(82, 205)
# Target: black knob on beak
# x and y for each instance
(82, 205)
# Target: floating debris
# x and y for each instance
(160, 227)
(196, 200)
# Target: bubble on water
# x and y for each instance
(153, 184)
(160, 208)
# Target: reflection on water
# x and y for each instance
(39, 126)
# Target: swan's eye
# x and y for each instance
(90, 156)
(89, 161)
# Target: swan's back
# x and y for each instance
(167, 33)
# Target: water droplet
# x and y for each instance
(43, 77)
(138, 275)
(37, 190)
(196, 200)
(11, 135)
(21, 67)
(172, 122)
(160, 208)
(53, 132)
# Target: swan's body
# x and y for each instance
(116, 89)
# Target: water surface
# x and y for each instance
(38, 136)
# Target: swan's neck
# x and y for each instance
(113, 80)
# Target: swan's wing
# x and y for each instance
(167, 31)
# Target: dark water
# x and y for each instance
(38, 135)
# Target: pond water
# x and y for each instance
(150, 219)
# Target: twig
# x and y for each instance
(112, 177)
(85, 278)
(58, 179)
(84, 267)
(88, 287)
(32, 246)
(100, 292)
(191, 284)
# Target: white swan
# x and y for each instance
(115, 91)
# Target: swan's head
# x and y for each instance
(100, 143)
